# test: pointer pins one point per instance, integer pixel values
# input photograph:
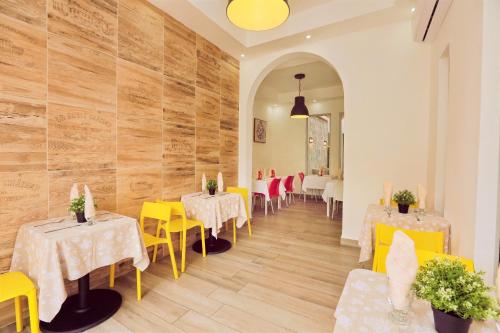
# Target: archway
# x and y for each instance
(324, 106)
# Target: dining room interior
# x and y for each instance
(250, 166)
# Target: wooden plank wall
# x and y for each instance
(112, 93)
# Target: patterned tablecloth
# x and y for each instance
(213, 211)
(376, 214)
(364, 308)
(52, 250)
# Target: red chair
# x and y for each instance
(274, 191)
(289, 189)
(301, 176)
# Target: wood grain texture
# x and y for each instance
(180, 51)
(23, 136)
(207, 126)
(207, 65)
(81, 76)
(102, 183)
(80, 138)
(29, 11)
(140, 34)
(209, 169)
(91, 23)
(23, 198)
(134, 186)
(179, 149)
(23, 59)
(139, 116)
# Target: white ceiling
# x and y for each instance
(305, 15)
(320, 18)
(321, 82)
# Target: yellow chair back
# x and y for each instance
(176, 208)
(424, 256)
(243, 191)
(424, 240)
(156, 211)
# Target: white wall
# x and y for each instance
(286, 145)
(385, 77)
(472, 125)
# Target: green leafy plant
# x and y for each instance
(404, 197)
(211, 184)
(449, 287)
(77, 205)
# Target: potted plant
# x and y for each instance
(457, 296)
(404, 199)
(77, 206)
(211, 186)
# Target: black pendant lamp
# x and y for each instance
(299, 110)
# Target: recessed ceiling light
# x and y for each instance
(314, 101)
(413, 9)
(308, 36)
(242, 55)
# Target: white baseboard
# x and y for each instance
(349, 242)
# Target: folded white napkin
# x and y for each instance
(220, 182)
(401, 265)
(387, 194)
(203, 183)
(73, 194)
(421, 195)
(89, 203)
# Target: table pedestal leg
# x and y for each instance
(84, 310)
(213, 245)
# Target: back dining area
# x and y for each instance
(249, 166)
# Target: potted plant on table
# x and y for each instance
(211, 186)
(457, 296)
(404, 199)
(77, 206)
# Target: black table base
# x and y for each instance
(213, 245)
(84, 310)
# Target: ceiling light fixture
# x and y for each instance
(299, 110)
(257, 15)
(308, 36)
(242, 55)
(413, 9)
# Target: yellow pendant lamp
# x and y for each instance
(257, 15)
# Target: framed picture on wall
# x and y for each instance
(259, 130)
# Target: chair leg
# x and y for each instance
(204, 250)
(183, 250)
(33, 310)
(249, 228)
(172, 255)
(234, 230)
(19, 316)
(138, 282)
(272, 208)
(155, 251)
(112, 276)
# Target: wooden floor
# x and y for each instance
(286, 278)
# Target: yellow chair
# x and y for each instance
(424, 240)
(423, 256)
(180, 223)
(14, 285)
(161, 213)
(244, 193)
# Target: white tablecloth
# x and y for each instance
(49, 255)
(376, 214)
(214, 210)
(315, 182)
(334, 189)
(262, 186)
(364, 307)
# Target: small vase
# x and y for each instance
(449, 322)
(211, 191)
(80, 217)
(403, 209)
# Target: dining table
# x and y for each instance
(213, 211)
(333, 193)
(364, 307)
(375, 213)
(261, 186)
(314, 182)
(53, 250)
